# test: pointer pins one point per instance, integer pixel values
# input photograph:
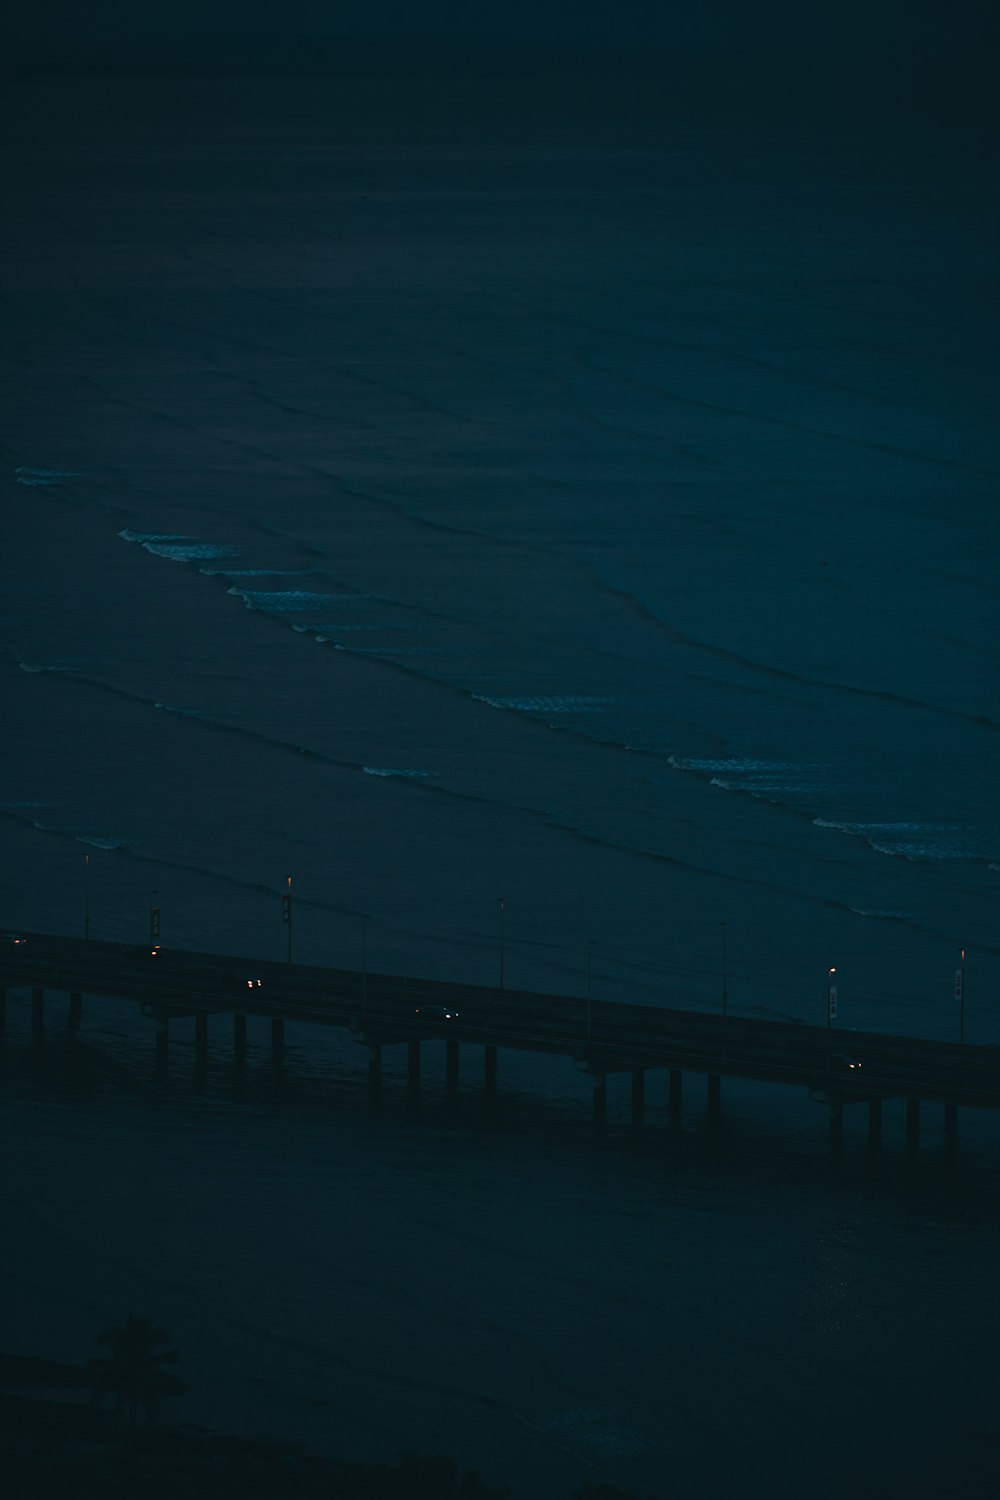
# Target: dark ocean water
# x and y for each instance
(439, 499)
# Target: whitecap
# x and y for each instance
(97, 841)
(47, 473)
(885, 916)
(551, 705)
(151, 536)
(42, 478)
(393, 771)
(187, 551)
(734, 764)
(862, 830)
(287, 601)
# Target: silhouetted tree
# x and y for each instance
(133, 1370)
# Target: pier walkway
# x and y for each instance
(837, 1067)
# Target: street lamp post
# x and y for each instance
(286, 914)
(500, 903)
(831, 997)
(960, 996)
(590, 949)
(364, 964)
(86, 897)
(725, 975)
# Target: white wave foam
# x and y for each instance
(864, 829)
(393, 771)
(187, 551)
(176, 548)
(915, 841)
(287, 601)
(151, 536)
(42, 478)
(555, 705)
(97, 841)
(47, 473)
(737, 765)
(256, 572)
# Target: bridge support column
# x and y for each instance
(600, 1098)
(201, 1035)
(675, 1095)
(836, 1125)
(714, 1097)
(240, 1034)
(638, 1095)
(37, 1012)
(162, 1041)
(413, 1064)
(75, 1009)
(950, 1124)
(874, 1124)
(912, 1124)
(277, 1034)
(374, 1067)
(490, 1067)
(451, 1065)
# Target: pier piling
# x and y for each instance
(600, 1098)
(162, 1042)
(451, 1065)
(240, 1034)
(836, 1125)
(675, 1095)
(75, 1009)
(912, 1124)
(638, 1095)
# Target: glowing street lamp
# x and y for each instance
(831, 998)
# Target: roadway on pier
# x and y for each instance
(599, 1036)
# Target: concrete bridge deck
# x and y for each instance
(838, 1067)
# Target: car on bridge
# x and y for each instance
(842, 1063)
(143, 950)
(247, 982)
(436, 1013)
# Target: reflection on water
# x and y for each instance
(546, 1302)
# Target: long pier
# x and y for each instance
(838, 1068)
